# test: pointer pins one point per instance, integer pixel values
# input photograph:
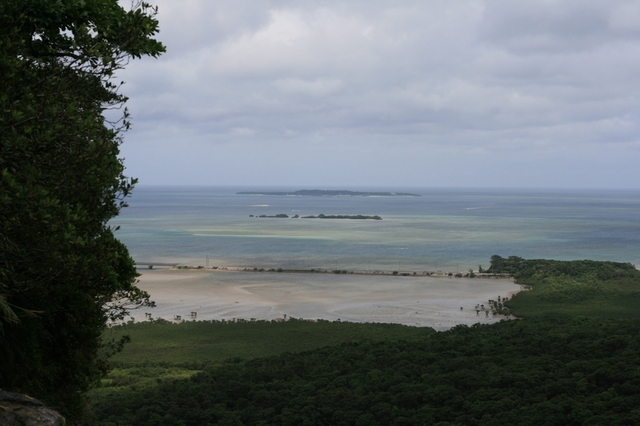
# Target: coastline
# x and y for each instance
(232, 294)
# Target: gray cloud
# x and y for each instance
(370, 92)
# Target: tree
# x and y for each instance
(63, 274)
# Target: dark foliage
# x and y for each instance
(527, 270)
(534, 372)
(63, 273)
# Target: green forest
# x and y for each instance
(572, 358)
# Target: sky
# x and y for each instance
(424, 93)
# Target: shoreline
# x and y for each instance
(236, 294)
(377, 272)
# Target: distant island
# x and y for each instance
(332, 193)
(322, 216)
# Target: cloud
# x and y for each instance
(318, 87)
(475, 79)
(625, 19)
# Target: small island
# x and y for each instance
(342, 216)
(322, 216)
(332, 193)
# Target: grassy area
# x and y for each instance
(212, 342)
(162, 350)
(138, 378)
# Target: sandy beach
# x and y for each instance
(418, 301)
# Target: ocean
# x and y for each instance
(449, 230)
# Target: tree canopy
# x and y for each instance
(565, 371)
(63, 274)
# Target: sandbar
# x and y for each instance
(440, 303)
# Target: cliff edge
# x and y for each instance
(22, 410)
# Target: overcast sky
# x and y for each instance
(451, 93)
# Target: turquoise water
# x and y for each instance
(443, 229)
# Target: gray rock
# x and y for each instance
(22, 410)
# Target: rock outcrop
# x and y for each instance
(22, 410)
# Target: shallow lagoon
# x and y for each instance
(448, 230)
(416, 301)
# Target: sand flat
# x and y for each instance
(418, 301)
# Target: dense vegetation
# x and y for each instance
(63, 273)
(579, 287)
(535, 270)
(560, 365)
(570, 372)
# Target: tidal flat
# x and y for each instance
(437, 302)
